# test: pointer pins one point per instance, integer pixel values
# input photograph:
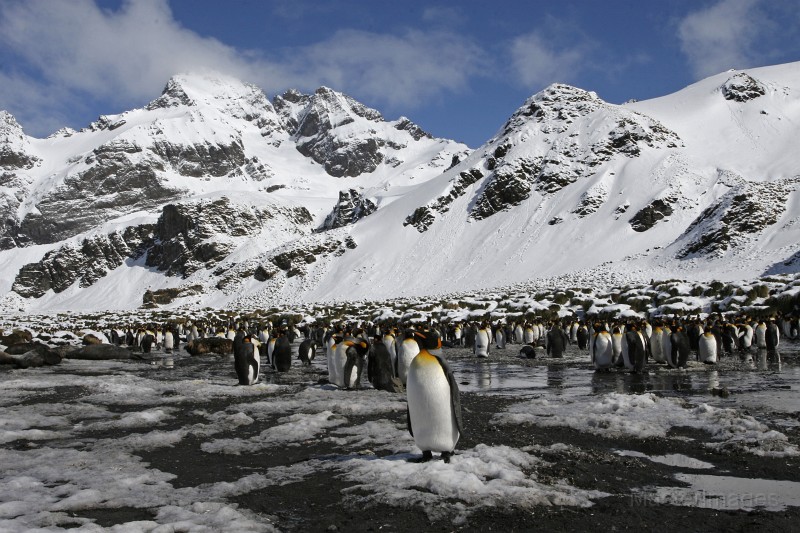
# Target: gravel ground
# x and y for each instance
(322, 502)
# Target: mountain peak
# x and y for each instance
(10, 130)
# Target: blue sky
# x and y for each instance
(458, 69)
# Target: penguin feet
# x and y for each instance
(427, 455)
(446, 456)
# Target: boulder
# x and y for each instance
(96, 352)
(15, 337)
(207, 345)
(90, 338)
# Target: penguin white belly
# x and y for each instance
(603, 351)
(500, 339)
(330, 348)
(169, 341)
(528, 336)
(626, 358)
(429, 406)
(252, 371)
(666, 345)
(408, 351)
(482, 344)
(519, 335)
(761, 336)
(389, 342)
(747, 337)
(656, 346)
(338, 360)
(616, 344)
(708, 348)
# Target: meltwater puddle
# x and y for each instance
(673, 459)
(727, 493)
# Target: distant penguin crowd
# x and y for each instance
(406, 357)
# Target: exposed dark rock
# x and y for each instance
(172, 96)
(313, 120)
(645, 219)
(15, 160)
(590, 202)
(15, 337)
(350, 208)
(198, 160)
(167, 296)
(184, 234)
(423, 217)
(263, 273)
(96, 352)
(343, 158)
(295, 260)
(31, 355)
(416, 132)
(741, 214)
(208, 345)
(85, 263)
(741, 87)
(12, 145)
(120, 180)
(509, 186)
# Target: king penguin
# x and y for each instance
(602, 350)
(408, 351)
(246, 360)
(482, 341)
(282, 353)
(356, 350)
(307, 351)
(434, 403)
(708, 348)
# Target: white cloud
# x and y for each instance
(722, 36)
(537, 61)
(396, 69)
(74, 51)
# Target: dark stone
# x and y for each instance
(508, 187)
(423, 217)
(648, 217)
(95, 352)
(85, 264)
(741, 87)
(350, 208)
(209, 345)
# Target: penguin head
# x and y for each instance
(428, 340)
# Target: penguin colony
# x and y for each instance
(408, 357)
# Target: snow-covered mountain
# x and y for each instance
(214, 194)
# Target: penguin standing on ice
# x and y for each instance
(282, 353)
(679, 348)
(246, 360)
(380, 370)
(355, 350)
(434, 403)
(602, 349)
(482, 341)
(582, 336)
(707, 348)
(772, 336)
(307, 351)
(408, 351)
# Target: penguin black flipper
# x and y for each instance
(408, 421)
(455, 395)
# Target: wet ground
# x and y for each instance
(552, 445)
